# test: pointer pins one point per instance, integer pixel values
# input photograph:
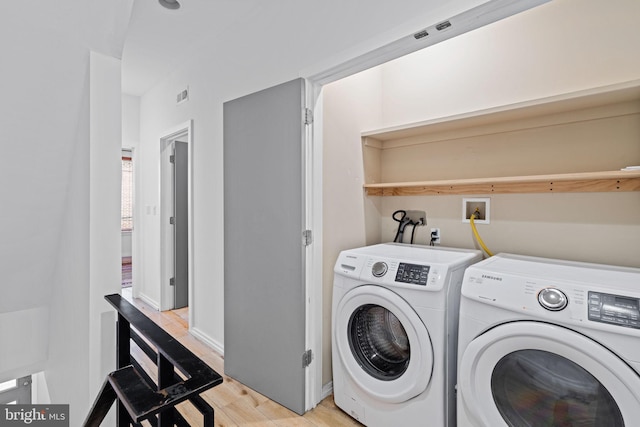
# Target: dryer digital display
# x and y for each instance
(614, 309)
(412, 273)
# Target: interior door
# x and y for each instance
(264, 289)
(181, 224)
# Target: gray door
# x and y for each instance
(181, 225)
(264, 289)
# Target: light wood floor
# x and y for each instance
(234, 403)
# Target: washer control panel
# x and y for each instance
(614, 309)
(412, 273)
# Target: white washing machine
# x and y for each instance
(395, 313)
(549, 343)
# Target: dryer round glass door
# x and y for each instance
(384, 346)
(525, 374)
(538, 387)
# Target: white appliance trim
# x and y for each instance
(485, 351)
(418, 374)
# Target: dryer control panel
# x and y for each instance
(614, 309)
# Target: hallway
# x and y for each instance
(235, 404)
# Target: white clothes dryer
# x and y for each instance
(549, 343)
(395, 314)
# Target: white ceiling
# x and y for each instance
(160, 40)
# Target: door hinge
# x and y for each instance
(172, 281)
(172, 220)
(172, 158)
(307, 237)
(308, 116)
(307, 357)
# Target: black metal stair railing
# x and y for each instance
(138, 396)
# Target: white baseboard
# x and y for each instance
(327, 390)
(217, 346)
(149, 301)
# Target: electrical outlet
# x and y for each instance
(480, 206)
(435, 237)
(418, 217)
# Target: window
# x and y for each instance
(16, 392)
(126, 221)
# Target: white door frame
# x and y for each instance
(313, 266)
(184, 133)
(487, 13)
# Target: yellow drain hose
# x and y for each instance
(478, 238)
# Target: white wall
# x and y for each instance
(105, 169)
(126, 248)
(82, 324)
(67, 370)
(40, 132)
(287, 41)
(20, 356)
(130, 140)
(45, 237)
(130, 121)
(545, 51)
(555, 48)
(350, 104)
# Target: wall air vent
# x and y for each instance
(420, 34)
(182, 96)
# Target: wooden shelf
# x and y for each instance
(619, 93)
(590, 130)
(609, 181)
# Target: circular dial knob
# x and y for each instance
(379, 269)
(552, 299)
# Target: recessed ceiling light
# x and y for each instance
(170, 4)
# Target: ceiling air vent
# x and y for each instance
(441, 26)
(421, 34)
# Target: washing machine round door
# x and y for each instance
(382, 343)
(525, 373)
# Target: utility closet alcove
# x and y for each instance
(578, 142)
